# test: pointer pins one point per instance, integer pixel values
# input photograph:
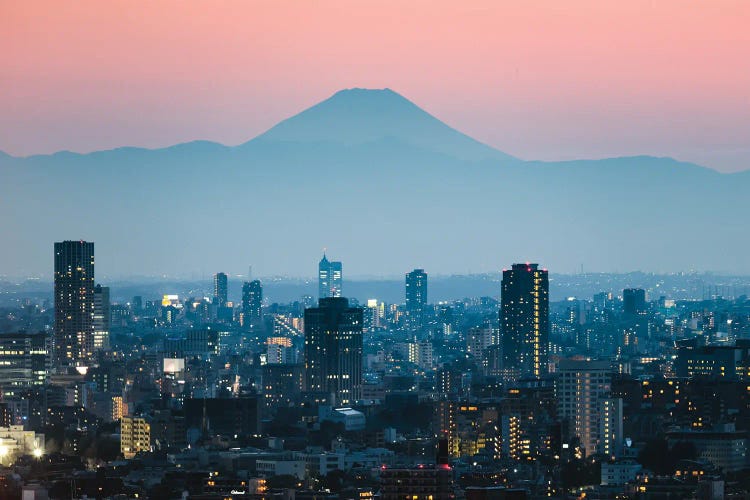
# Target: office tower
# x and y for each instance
(416, 299)
(634, 301)
(135, 436)
(220, 290)
(24, 362)
(582, 388)
(524, 321)
(333, 350)
(74, 302)
(101, 317)
(330, 278)
(252, 300)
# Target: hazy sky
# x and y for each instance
(538, 79)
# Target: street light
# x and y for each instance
(37, 453)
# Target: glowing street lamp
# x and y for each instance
(37, 453)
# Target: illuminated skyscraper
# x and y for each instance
(74, 302)
(416, 298)
(330, 278)
(252, 300)
(524, 321)
(333, 350)
(220, 289)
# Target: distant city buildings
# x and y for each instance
(252, 301)
(524, 321)
(221, 289)
(416, 299)
(330, 278)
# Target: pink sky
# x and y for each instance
(554, 79)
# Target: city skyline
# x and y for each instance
(538, 206)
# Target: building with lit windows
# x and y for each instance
(221, 290)
(611, 439)
(74, 303)
(135, 436)
(330, 278)
(24, 362)
(15, 441)
(728, 362)
(416, 299)
(524, 321)
(252, 302)
(101, 317)
(424, 482)
(333, 350)
(581, 389)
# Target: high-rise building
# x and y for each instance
(74, 302)
(24, 362)
(330, 278)
(220, 290)
(583, 389)
(634, 301)
(524, 321)
(101, 317)
(333, 350)
(252, 301)
(416, 298)
(611, 438)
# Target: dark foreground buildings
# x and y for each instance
(333, 350)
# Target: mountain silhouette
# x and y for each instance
(360, 116)
(385, 186)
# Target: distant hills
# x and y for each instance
(385, 186)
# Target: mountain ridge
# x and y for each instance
(386, 195)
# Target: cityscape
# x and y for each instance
(375, 250)
(618, 394)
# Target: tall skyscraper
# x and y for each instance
(333, 350)
(416, 298)
(583, 389)
(524, 321)
(74, 302)
(101, 317)
(252, 301)
(220, 289)
(330, 278)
